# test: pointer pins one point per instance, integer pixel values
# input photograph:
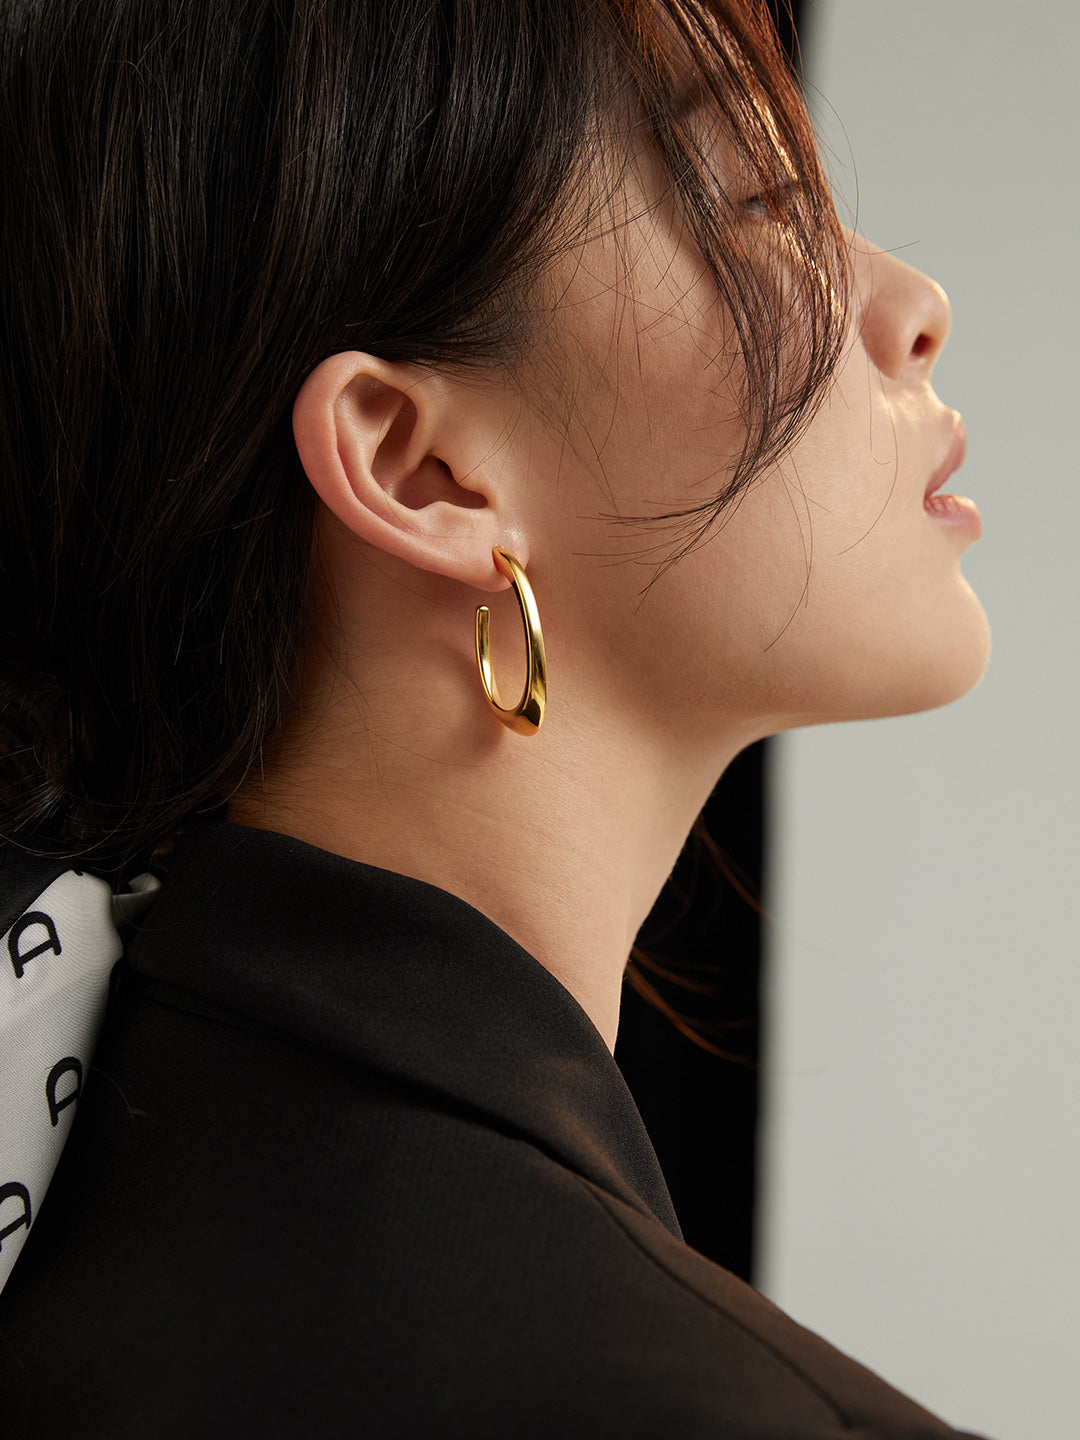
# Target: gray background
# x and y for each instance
(921, 1171)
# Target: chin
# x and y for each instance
(946, 669)
(904, 672)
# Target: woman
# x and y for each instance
(333, 324)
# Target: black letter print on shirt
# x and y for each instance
(13, 1190)
(52, 942)
(62, 1067)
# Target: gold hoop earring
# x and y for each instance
(528, 714)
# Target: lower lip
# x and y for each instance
(955, 510)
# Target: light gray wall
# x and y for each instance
(922, 1179)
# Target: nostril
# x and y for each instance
(922, 346)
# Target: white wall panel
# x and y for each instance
(922, 1150)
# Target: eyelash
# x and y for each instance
(759, 204)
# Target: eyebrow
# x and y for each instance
(688, 95)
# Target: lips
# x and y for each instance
(954, 511)
(954, 458)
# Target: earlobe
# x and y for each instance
(397, 458)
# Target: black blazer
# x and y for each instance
(350, 1162)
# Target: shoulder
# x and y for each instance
(420, 1269)
(248, 1233)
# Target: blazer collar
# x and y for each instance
(395, 974)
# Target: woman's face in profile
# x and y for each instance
(832, 589)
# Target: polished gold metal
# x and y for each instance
(528, 714)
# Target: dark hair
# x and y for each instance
(201, 202)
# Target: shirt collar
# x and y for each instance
(395, 974)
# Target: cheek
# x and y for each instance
(831, 595)
(827, 594)
(653, 419)
(888, 624)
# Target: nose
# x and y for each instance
(905, 316)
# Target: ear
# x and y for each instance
(412, 463)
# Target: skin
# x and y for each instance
(830, 593)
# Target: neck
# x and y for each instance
(564, 838)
